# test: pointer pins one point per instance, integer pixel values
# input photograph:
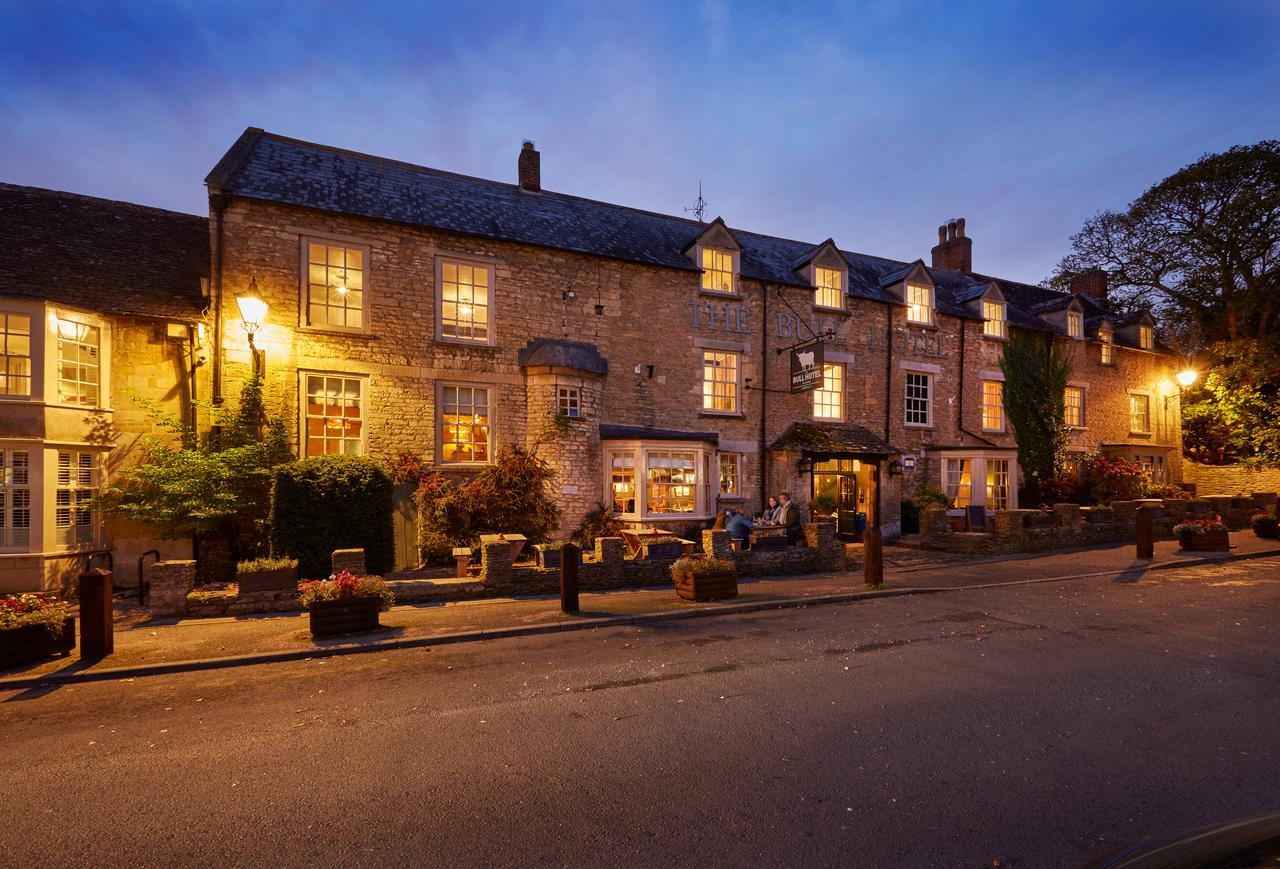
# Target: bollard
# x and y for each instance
(570, 556)
(97, 637)
(1145, 534)
(873, 556)
(462, 561)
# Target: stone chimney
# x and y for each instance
(1091, 283)
(530, 168)
(955, 249)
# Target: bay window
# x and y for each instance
(622, 483)
(979, 479)
(78, 362)
(958, 481)
(997, 484)
(668, 479)
(15, 354)
(15, 499)
(74, 521)
(671, 482)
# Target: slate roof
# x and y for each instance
(564, 354)
(845, 437)
(104, 256)
(612, 432)
(274, 168)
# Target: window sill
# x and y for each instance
(932, 326)
(336, 333)
(703, 291)
(723, 414)
(918, 426)
(462, 342)
(1002, 339)
(821, 419)
(993, 431)
(844, 312)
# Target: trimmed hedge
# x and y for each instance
(332, 502)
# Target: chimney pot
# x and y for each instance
(954, 250)
(960, 227)
(529, 167)
(942, 234)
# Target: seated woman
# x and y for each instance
(771, 510)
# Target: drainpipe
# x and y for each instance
(217, 204)
(888, 372)
(764, 395)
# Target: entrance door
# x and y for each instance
(845, 483)
(847, 506)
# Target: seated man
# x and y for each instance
(789, 518)
(738, 526)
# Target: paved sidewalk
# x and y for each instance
(141, 642)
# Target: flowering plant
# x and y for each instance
(1200, 526)
(38, 608)
(697, 567)
(345, 585)
(1263, 514)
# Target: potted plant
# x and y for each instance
(549, 554)
(1265, 525)
(705, 578)
(266, 574)
(345, 603)
(823, 505)
(34, 626)
(662, 548)
(1203, 535)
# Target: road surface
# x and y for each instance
(1035, 726)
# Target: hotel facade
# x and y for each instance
(646, 357)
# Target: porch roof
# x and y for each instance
(843, 437)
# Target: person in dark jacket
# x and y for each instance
(738, 526)
(789, 518)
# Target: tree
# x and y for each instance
(1202, 247)
(1236, 415)
(218, 484)
(1036, 371)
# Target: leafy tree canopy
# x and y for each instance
(1036, 372)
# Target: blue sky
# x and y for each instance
(870, 122)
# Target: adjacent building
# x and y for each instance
(647, 357)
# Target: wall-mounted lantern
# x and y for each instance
(805, 465)
(895, 468)
(253, 313)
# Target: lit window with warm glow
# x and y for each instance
(335, 286)
(334, 415)
(997, 484)
(719, 382)
(919, 304)
(717, 270)
(959, 481)
(992, 405)
(75, 523)
(15, 354)
(916, 400)
(1139, 414)
(622, 482)
(464, 429)
(1073, 402)
(1075, 324)
(1108, 348)
(671, 482)
(829, 292)
(828, 399)
(994, 323)
(1146, 337)
(730, 473)
(466, 302)
(78, 363)
(15, 499)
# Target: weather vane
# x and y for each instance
(700, 207)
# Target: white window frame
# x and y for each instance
(735, 459)
(1146, 396)
(830, 409)
(58, 324)
(1083, 406)
(11, 341)
(704, 459)
(915, 306)
(82, 482)
(304, 312)
(908, 398)
(491, 394)
(490, 301)
(978, 467)
(962, 465)
(1075, 325)
(305, 416)
(714, 388)
(1010, 484)
(717, 252)
(995, 319)
(568, 401)
(821, 273)
(998, 408)
(19, 495)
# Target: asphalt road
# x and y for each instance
(1036, 726)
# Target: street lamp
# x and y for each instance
(253, 312)
(1187, 377)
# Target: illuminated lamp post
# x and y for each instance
(253, 313)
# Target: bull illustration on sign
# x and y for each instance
(806, 366)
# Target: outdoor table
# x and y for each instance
(768, 537)
(517, 542)
(635, 538)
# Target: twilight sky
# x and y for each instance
(870, 122)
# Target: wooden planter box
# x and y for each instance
(33, 643)
(1214, 541)
(345, 616)
(267, 580)
(548, 557)
(668, 550)
(1267, 528)
(715, 587)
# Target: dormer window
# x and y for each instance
(717, 270)
(1075, 324)
(920, 304)
(1146, 337)
(994, 322)
(1108, 347)
(829, 288)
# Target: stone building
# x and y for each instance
(647, 357)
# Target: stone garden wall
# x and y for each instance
(1069, 525)
(1230, 479)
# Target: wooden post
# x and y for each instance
(1145, 534)
(97, 637)
(570, 555)
(873, 557)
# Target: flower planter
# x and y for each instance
(1212, 541)
(267, 580)
(34, 643)
(548, 557)
(716, 586)
(1267, 528)
(344, 616)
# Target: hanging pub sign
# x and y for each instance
(806, 367)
